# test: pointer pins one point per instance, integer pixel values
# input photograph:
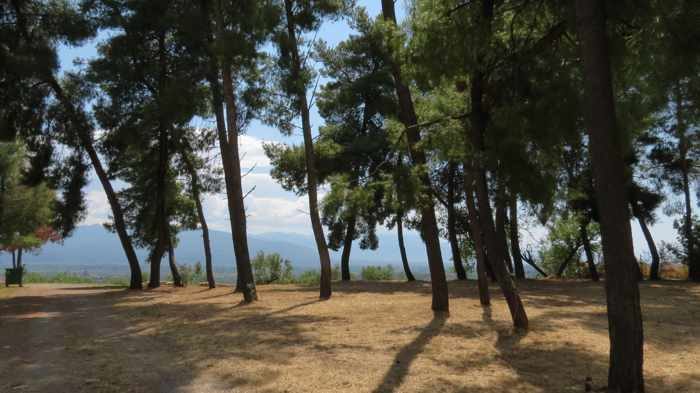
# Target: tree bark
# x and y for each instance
(515, 238)
(196, 195)
(475, 231)
(478, 119)
(683, 145)
(347, 247)
(177, 278)
(86, 141)
(565, 262)
(14, 259)
(310, 157)
(501, 229)
(19, 258)
(402, 249)
(452, 223)
(622, 288)
(586, 241)
(408, 117)
(228, 144)
(655, 259)
(162, 221)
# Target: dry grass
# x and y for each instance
(369, 337)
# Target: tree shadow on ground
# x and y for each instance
(396, 374)
(139, 346)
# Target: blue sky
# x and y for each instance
(269, 207)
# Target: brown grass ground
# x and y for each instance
(379, 337)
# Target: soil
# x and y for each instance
(370, 337)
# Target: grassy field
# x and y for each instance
(370, 337)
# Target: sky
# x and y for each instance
(268, 206)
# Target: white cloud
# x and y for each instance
(252, 153)
(98, 209)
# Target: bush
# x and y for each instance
(272, 268)
(309, 277)
(57, 278)
(377, 273)
(191, 275)
(673, 271)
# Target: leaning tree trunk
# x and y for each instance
(347, 247)
(607, 153)
(588, 250)
(409, 119)
(515, 238)
(495, 249)
(402, 249)
(655, 258)
(309, 156)
(228, 144)
(177, 278)
(501, 230)
(452, 223)
(196, 195)
(86, 142)
(475, 231)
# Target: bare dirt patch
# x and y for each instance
(379, 337)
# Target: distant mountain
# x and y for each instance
(93, 245)
(387, 253)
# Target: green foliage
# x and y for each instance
(308, 277)
(271, 268)
(377, 273)
(73, 278)
(564, 243)
(26, 212)
(191, 275)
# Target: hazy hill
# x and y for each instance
(93, 245)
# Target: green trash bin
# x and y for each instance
(13, 276)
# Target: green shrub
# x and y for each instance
(309, 277)
(335, 273)
(191, 275)
(377, 273)
(57, 278)
(272, 268)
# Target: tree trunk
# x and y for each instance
(177, 278)
(196, 195)
(19, 258)
(452, 223)
(622, 288)
(162, 221)
(515, 238)
(407, 115)
(693, 259)
(347, 247)
(565, 262)
(586, 241)
(86, 141)
(310, 158)
(402, 249)
(14, 259)
(477, 130)
(475, 231)
(228, 144)
(655, 259)
(501, 229)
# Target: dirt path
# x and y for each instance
(370, 337)
(68, 338)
